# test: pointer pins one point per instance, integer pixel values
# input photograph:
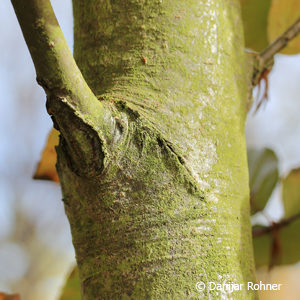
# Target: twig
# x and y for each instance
(263, 61)
(275, 226)
(281, 42)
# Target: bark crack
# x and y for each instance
(84, 146)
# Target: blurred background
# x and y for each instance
(36, 252)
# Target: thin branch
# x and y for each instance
(262, 62)
(281, 42)
(55, 67)
(75, 110)
(275, 226)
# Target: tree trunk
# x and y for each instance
(155, 180)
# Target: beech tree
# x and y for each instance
(151, 157)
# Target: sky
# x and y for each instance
(45, 255)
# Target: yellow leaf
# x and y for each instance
(4, 296)
(291, 193)
(71, 290)
(46, 168)
(282, 14)
(255, 19)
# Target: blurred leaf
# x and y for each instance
(262, 248)
(4, 296)
(283, 13)
(278, 247)
(290, 243)
(263, 175)
(291, 193)
(255, 19)
(46, 168)
(71, 290)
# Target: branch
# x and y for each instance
(55, 66)
(282, 41)
(75, 110)
(263, 61)
(275, 226)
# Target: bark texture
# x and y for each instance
(154, 174)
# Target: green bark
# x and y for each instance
(155, 180)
